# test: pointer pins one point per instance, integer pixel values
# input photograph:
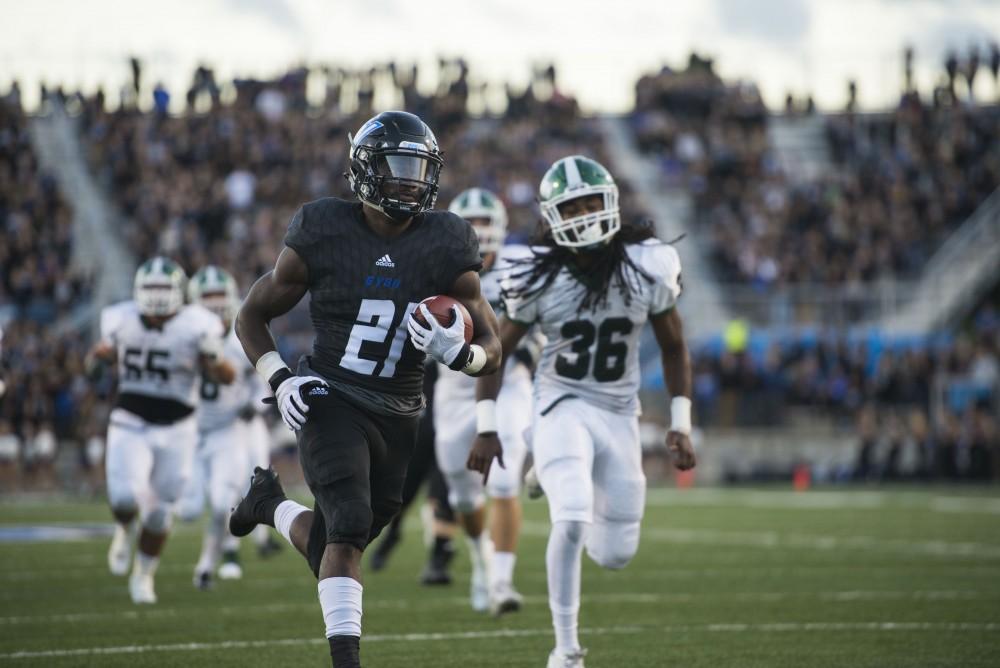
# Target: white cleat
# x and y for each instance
(504, 598)
(570, 660)
(531, 484)
(120, 552)
(479, 591)
(230, 571)
(140, 588)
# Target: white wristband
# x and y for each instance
(269, 364)
(486, 416)
(680, 415)
(477, 360)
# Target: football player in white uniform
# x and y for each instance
(591, 284)
(162, 348)
(455, 428)
(223, 458)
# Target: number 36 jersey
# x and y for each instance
(159, 363)
(594, 354)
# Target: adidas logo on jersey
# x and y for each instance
(385, 261)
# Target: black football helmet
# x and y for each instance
(395, 165)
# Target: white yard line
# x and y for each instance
(778, 627)
(777, 540)
(456, 601)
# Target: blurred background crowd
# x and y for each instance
(218, 182)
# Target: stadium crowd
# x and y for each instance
(899, 183)
(218, 183)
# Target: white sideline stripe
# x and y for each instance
(624, 597)
(777, 627)
(775, 540)
(820, 500)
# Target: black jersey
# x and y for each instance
(363, 288)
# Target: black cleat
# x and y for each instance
(257, 507)
(203, 581)
(269, 548)
(380, 557)
(436, 571)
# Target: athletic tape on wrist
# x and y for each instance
(477, 360)
(680, 415)
(269, 364)
(461, 359)
(486, 416)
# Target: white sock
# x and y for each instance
(145, 564)
(340, 599)
(477, 551)
(563, 559)
(284, 515)
(211, 543)
(502, 568)
(231, 543)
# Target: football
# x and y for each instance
(440, 306)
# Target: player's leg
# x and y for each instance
(455, 428)
(619, 492)
(227, 462)
(128, 463)
(258, 451)
(416, 475)
(443, 528)
(173, 448)
(192, 503)
(564, 451)
(504, 486)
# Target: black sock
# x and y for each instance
(267, 508)
(345, 651)
(443, 550)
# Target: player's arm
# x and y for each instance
(486, 445)
(669, 331)
(218, 369)
(447, 344)
(274, 294)
(100, 356)
(485, 329)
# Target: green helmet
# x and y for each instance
(572, 177)
(159, 287)
(480, 203)
(215, 289)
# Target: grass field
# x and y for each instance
(722, 578)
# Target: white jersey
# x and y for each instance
(159, 363)
(457, 386)
(221, 404)
(594, 355)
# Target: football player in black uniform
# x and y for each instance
(354, 403)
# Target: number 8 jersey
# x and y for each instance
(594, 354)
(158, 368)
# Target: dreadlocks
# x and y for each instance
(612, 265)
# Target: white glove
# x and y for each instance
(211, 346)
(291, 405)
(441, 343)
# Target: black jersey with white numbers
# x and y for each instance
(363, 288)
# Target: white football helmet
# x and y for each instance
(159, 287)
(572, 177)
(215, 289)
(480, 203)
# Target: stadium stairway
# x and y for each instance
(98, 249)
(800, 145)
(704, 311)
(955, 277)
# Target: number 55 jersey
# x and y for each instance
(593, 355)
(158, 367)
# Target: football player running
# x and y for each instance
(590, 284)
(455, 428)
(222, 460)
(162, 349)
(355, 402)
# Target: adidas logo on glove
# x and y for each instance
(318, 391)
(385, 261)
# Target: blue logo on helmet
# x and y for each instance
(368, 128)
